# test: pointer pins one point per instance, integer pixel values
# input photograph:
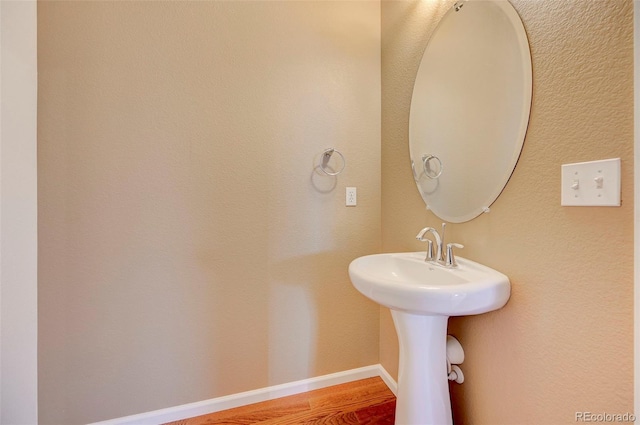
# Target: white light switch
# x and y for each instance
(595, 183)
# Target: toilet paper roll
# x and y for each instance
(455, 353)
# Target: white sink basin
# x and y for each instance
(421, 297)
(405, 282)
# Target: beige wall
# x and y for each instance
(564, 342)
(188, 248)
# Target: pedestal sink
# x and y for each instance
(422, 296)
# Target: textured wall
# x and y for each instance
(564, 342)
(188, 249)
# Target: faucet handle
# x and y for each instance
(451, 259)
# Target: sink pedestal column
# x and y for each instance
(423, 387)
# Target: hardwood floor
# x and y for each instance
(367, 401)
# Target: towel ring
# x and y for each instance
(427, 169)
(326, 156)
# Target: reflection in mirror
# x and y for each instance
(470, 108)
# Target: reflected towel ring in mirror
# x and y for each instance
(326, 157)
(429, 171)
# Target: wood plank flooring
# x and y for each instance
(364, 402)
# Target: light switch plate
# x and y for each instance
(594, 183)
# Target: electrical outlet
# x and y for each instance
(351, 198)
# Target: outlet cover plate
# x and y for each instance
(351, 197)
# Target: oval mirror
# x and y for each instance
(470, 108)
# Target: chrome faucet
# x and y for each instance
(450, 260)
(436, 235)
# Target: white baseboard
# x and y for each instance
(255, 396)
(391, 383)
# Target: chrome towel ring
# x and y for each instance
(326, 157)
